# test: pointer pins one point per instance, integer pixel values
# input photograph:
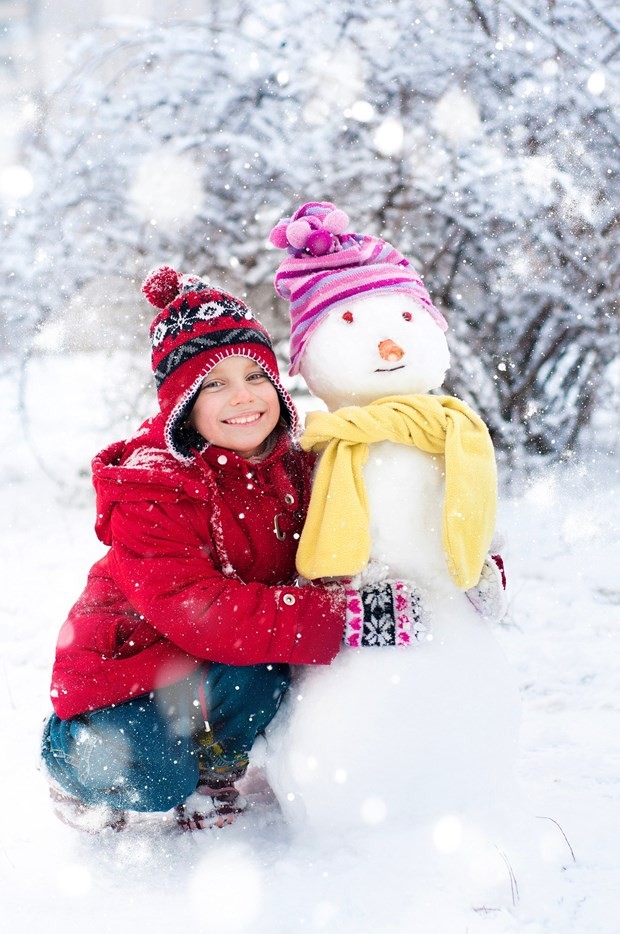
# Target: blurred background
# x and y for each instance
(481, 137)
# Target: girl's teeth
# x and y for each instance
(243, 421)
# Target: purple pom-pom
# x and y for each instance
(278, 236)
(320, 242)
(314, 227)
(336, 222)
(297, 233)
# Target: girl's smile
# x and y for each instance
(243, 420)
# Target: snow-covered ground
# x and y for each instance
(562, 636)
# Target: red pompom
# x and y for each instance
(161, 286)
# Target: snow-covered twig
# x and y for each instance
(543, 817)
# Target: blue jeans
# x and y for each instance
(144, 754)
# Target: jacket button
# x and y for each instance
(289, 599)
(289, 499)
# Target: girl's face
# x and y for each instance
(237, 407)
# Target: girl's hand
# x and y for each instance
(386, 613)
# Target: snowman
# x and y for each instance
(420, 735)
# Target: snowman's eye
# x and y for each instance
(407, 315)
(348, 317)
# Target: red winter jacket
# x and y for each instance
(195, 571)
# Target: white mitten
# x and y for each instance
(489, 594)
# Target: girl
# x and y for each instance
(177, 654)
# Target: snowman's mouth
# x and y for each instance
(391, 369)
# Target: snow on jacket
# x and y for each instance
(201, 566)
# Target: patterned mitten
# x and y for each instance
(388, 613)
(489, 594)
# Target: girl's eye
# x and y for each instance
(348, 317)
(407, 315)
(257, 375)
(212, 384)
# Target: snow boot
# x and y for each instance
(85, 817)
(215, 803)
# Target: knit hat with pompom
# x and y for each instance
(197, 327)
(326, 266)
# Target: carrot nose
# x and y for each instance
(390, 351)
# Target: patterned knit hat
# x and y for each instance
(198, 327)
(325, 266)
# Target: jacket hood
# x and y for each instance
(136, 469)
(143, 469)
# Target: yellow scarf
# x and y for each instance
(336, 538)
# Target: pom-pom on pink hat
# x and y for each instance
(196, 328)
(325, 266)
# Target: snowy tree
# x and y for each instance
(498, 168)
(481, 138)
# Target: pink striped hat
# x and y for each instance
(325, 266)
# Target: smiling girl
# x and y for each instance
(177, 654)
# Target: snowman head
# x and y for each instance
(372, 346)
(355, 304)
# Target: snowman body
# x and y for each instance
(397, 735)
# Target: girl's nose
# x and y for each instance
(390, 351)
(243, 393)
